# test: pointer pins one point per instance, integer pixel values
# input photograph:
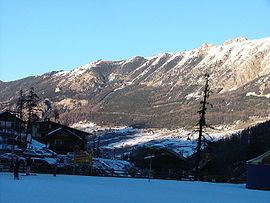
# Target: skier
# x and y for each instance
(16, 169)
(29, 163)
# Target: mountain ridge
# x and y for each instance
(160, 90)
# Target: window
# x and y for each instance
(58, 142)
(6, 123)
(63, 135)
(2, 123)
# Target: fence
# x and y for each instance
(89, 171)
(72, 170)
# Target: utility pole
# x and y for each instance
(202, 123)
(30, 102)
(114, 153)
(98, 147)
(21, 102)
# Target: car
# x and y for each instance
(40, 162)
(8, 157)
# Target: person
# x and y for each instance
(132, 172)
(55, 168)
(112, 171)
(16, 168)
(29, 163)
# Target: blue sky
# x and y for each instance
(41, 36)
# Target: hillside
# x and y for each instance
(160, 91)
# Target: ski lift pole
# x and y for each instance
(150, 168)
(150, 153)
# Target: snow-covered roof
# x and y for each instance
(56, 130)
(63, 126)
(65, 130)
(164, 148)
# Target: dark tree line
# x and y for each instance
(229, 155)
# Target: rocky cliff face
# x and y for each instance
(162, 90)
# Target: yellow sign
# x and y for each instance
(207, 157)
(82, 158)
(262, 160)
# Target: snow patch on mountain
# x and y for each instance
(77, 71)
(256, 95)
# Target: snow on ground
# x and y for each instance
(107, 164)
(37, 145)
(89, 127)
(67, 189)
(36, 148)
(179, 140)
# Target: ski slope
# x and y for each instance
(66, 189)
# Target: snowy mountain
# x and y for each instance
(162, 90)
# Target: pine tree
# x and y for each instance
(33, 108)
(202, 124)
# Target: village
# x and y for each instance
(41, 144)
(79, 152)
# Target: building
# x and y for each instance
(258, 172)
(63, 141)
(164, 162)
(11, 123)
(11, 131)
(58, 137)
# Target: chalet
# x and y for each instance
(58, 137)
(63, 141)
(10, 122)
(164, 161)
(11, 128)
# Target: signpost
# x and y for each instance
(82, 158)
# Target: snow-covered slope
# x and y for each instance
(126, 139)
(63, 188)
